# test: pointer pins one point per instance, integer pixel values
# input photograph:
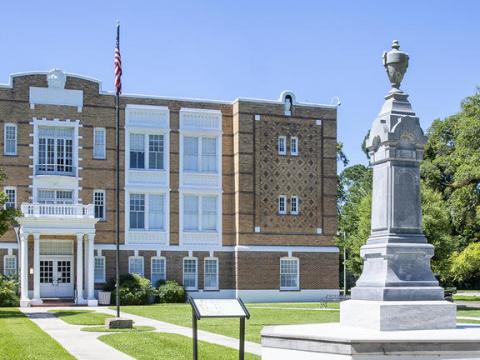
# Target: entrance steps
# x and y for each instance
(56, 302)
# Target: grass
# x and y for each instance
(22, 339)
(81, 317)
(469, 312)
(306, 305)
(181, 314)
(162, 346)
(466, 298)
(105, 330)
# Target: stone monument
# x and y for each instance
(397, 309)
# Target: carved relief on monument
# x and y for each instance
(288, 175)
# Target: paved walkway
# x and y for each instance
(81, 344)
(85, 345)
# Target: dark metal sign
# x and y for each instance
(218, 308)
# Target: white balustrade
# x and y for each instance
(58, 210)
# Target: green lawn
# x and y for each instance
(162, 346)
(469, 313)
(21, 339)
(261, 315)
(466, 298)
(105, 330)
(81, 317)
(306, 305)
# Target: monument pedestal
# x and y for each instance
(337, 342)
(398, 315)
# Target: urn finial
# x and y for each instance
(395, 63)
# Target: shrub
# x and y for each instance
(171, 292)
(9, 291)
(134, 290)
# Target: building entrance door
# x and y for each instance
(56, 277)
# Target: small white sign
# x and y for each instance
(219, 308)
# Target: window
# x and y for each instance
(282, 145)
(55, 151)
(158, 272)
(155, 212)
(155, 151)
(289, 277)
(135, 265)
(282, 204)
(99, 273)
(9, 265)
(294, 146)
(294, 205)
(99, 204)
(211, 274)
(99, 141)
(11, 202)
(137, 211)
(137, 151)
(190, 273)
(200, 154)
(10, 139)
(200, 213)
(55, 196)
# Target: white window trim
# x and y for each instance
(5, 188)
(166, 210)
(200, 212)
(204, 273)
(143, 264)
(151, 266)
(146, 148)
(5, 263)
(5, 152)
(284, 139)
(297, 201)
(104, 218)
(284, 211)
(292, 140)
(200, 137)
(103, 280)
(290, 258)
(196, 273)
(104, 143)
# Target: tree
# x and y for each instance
(7, 216)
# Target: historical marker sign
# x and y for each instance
(218, 308)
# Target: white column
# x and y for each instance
(91, 278)
(24, 299)
(80, 299)
(36, 270)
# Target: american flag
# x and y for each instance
(118, 64)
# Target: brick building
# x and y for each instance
(228, 198)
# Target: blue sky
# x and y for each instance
(228, 49)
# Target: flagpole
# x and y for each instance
(117, 187)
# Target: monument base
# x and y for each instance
(398, 315)
(338, 342)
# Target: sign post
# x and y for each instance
(218, 308)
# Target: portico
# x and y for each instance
(62, 263)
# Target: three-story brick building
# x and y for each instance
(228, 198)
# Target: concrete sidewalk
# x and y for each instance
(85, 345)
(81, 344)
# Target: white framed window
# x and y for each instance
(137, 211)
(99, 204)
(10, 139)
(210, 273)
(158, 270)
(154, 158)
(135, 265)
(99, 143)
(294, 205)
(156, 212)
(282, 204)
(45, 196)
(200, 213)
(11, 193)
(137, 151)
(156, 152)
(55, 151)
(99, 269)
(190, 273)
(294, 146)
(289, 273)
(200, 154)
(282, 145)
(9, 265)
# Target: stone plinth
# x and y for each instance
(398, 315)
(337, 342)
(118, 323)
